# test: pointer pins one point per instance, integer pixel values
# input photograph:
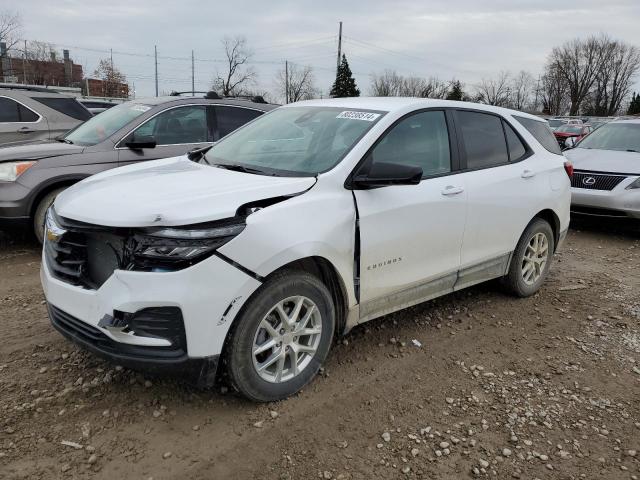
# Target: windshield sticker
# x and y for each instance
(366, 116)
(140, 108)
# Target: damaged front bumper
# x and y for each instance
(160, 321)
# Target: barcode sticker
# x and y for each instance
(352, 115)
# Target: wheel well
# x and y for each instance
(553, 220)
(49, 188)
(322, 268)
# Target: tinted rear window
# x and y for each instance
(67, 106)
(517, 150)
(483, 139)
(541, 132)
(8, 110)
(230, 118)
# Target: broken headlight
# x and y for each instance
(174, 248)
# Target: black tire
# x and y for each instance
(40, 213)
(514, 282)
(239, 350)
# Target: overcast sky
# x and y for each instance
(466, 39)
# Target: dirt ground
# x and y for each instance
(496, 387)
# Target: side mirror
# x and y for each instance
(386, 174)
(138, 143)
(570, 143)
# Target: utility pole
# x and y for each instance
(193, 77)
(24, 64)
(155, 48)
(286, 82)
(111, 55)
(339, 47)
(535, 103)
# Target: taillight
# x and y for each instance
(568, 167)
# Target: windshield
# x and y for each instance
(614, 136)
(577, 129)
(555, 123)
(105, 124)
(294, 141)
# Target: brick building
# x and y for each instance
(53, 72)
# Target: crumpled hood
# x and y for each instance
(173, 191)
(612, 161)
(37, 150)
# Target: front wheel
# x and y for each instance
(531, 259)
(282, 338)
(40, 213)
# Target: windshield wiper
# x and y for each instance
(63, 140)
(632, 150)
(241, 168)
(198, 154)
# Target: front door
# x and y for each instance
(411, 235)
(176, 131)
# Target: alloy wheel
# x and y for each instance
(536, 256)
(287, 339)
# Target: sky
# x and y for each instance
(464, 39)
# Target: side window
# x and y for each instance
(541, 132)
(517, 150)
(67, 106)
(421, 140)
(177, 125)
(8, 110)
(483, 139)
(230, 118)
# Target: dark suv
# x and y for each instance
(32, 175)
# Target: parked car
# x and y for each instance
(607, 171)
(96, 106)
(29, 113)
(555, 123)
(314, 218)
(571, 131)
(31, 176)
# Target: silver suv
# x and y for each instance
(31, 113)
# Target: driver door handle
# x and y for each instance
(25, 130)
(528, 174)
(452, 190)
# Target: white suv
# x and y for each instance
(305, 222)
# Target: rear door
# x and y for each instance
(177, 130)
(62, 113)
(19, 123)
(506, 186)
(410, 235)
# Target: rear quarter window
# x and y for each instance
(67, 106)
(541, 132)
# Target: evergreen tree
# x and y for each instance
(456, 93)
(345, 84)
(634, 106)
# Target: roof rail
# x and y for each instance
(251, 98)
(178, 94)
(16, 86)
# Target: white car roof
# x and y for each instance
(392, 104)
(626, 120)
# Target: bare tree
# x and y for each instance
(614, 80)
(300, 85)
(554, 91)
(494, 91)
(522, 87)
(237, 75)
(387, 84)
(37, 66)
(10, 28)
(579, 62)
(112, 78)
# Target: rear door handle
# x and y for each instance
(25, 130)
(452, 190)
(528, 174)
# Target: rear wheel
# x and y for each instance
(40, 213)
(531, 259)
(282, 337)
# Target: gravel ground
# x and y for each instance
(495, 387)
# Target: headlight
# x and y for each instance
(10, 171)
(635, 184)
(169, 248)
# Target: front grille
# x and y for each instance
(92, 337)
(595, 181)
(84, 255)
